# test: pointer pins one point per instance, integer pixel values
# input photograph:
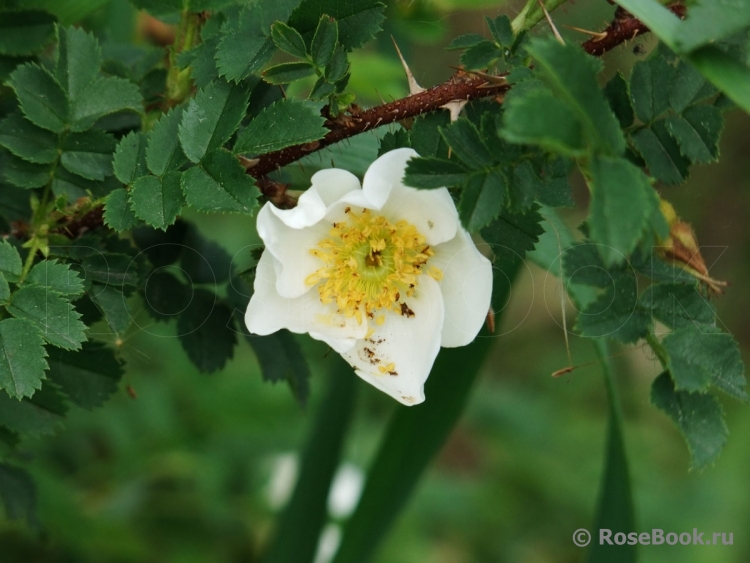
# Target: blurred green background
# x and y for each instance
(185, 468)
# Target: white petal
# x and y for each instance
(409, 343)
(466, 288)
(328, 186)
(432, 212)
(268, 311)
(291, 249)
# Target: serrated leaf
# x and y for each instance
(283, 124)
(709, 21)
(40, 96)
(622, 201)
(52, 314)
(18, 493)
(392, 140)
(73, 186)
(285, 73)
(678, 305)
(111, 302)
(40, 415)
(425, 134)
(89, 154)
(571, 74)
(220, 184)
(157, 201)
(4, 289)
(661, 153)
(57, 277)
(78, 60)
(465, 41)
(202, 61)
(688, 86)
(618, 96)
(27, 141)
(111, 269)
(88, 377)
(130, 158)
(244, 47)
(207, 262)
(22, 173)
(700, 356)
(104, 96)
(698, 416)
(164, 153)
(539, 118)
(162, 247)
(697, 132)
(467, 144)
(481, 55)
(22, 354)
(482, 199)
(338, 67)
(324, 41)
(358, 20)
(10, 261)
(166, 297)
(615, 313)
(117, 212)
(434, 172)
(211, 118)
(288, 40)
(206, 332)
(26, 32)
(501, 29)
(650, 84)
(281, 359)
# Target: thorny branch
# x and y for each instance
(462, 86)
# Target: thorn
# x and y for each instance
(248, 163)
(597, 35)
(455, 107)
(491, 320)
(414, 87)
(552, 25)
(493, 79)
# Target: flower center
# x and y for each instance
(370, 265)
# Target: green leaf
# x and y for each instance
(10, 261)
(434, 172)
(465, 41)
(501, 29)
(57, 277)
(18, 493)
(166, 297)
(298, 532)
(728, 74)
(40, 415)
(27, 141)
(709, 21)
(615, 509)
(111, 302)
(698, 416)
(358, 20)
(571, 74)
(618, 96)
(700, 356)
(650, 84)
(157, 201)
(661, 153)
(73, 186)
(481, 200)
(89, 154)
(288, 72)
(678, 305)
(208, 262)
(281, 359)
(425, 134)
(281, 125)
(25, 33)
(111, 269)
(467, 144)
(688, 86)
(244, 48)
(615, 313)
(4, 289)
(206, 332)
(324, 41)
(539, 118)
(481, 55)
(78, 60)
(622, 201)
(338, 68)
(163, 153)
(220, 184)
(22, 354)
(88, 377)
(697, 132)
(117, 212)
(42, 99)
(130, 158)
(104, 96)
(51, 314)
(22, 173)
(211, 118)
(288, 40)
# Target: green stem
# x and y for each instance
(658, 349)
(532, 14)
(178, 80)
(39, 227)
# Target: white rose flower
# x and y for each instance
(383, 273)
